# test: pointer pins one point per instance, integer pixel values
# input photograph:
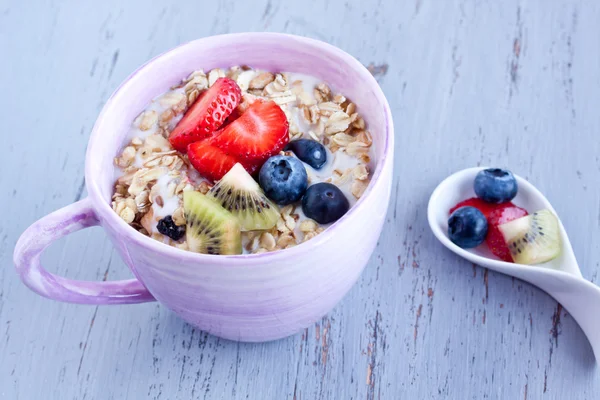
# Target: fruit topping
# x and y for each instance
(235, 114)
(210, 228)
(283, 179)
(325, 203)
(310, 151)
(247, 99)
(502, 214)
(207, 114)
(259, 133)
(533, 239)
(495, 185)
(238, 193)
(467, 227)
(212, 162)
(167, 227)
(485, 208)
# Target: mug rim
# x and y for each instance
(106, 214)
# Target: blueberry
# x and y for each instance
(310, 151)
(283, 179)
(467, 227)
(495, 185)
(167, 227)
(324, 203)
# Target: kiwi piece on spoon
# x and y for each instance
(533, 239)
(210, 229)
(238, 193)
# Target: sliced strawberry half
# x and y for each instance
(494, 238)
(212, 162)
(237, 112)
(259, 133)
(207, 114)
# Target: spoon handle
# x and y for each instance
(581, 298)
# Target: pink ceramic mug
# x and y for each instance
(246, 297)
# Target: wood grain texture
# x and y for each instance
(508, 83)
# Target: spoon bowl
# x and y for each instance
(561, 277)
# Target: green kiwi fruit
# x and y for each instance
(239, 193)
(533, 239)
(210, 229)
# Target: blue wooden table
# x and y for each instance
(509, 83)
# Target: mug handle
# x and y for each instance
(41, 234)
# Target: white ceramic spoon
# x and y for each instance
(560, 278)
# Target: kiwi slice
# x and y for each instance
(210, 229)
(533, 239)
(239, 193)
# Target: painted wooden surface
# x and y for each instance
(506, 83)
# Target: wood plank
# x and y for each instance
(507, 83)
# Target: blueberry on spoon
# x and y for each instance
(467, 227)
(495, 185)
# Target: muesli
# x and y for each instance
(242, 161)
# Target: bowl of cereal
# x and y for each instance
(243, 178)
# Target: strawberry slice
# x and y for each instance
(207, 114)
(212, 162)
(259, 133)
(484, 207)
(494, 238)
(235, 114)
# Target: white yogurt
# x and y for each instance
(170, 201)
